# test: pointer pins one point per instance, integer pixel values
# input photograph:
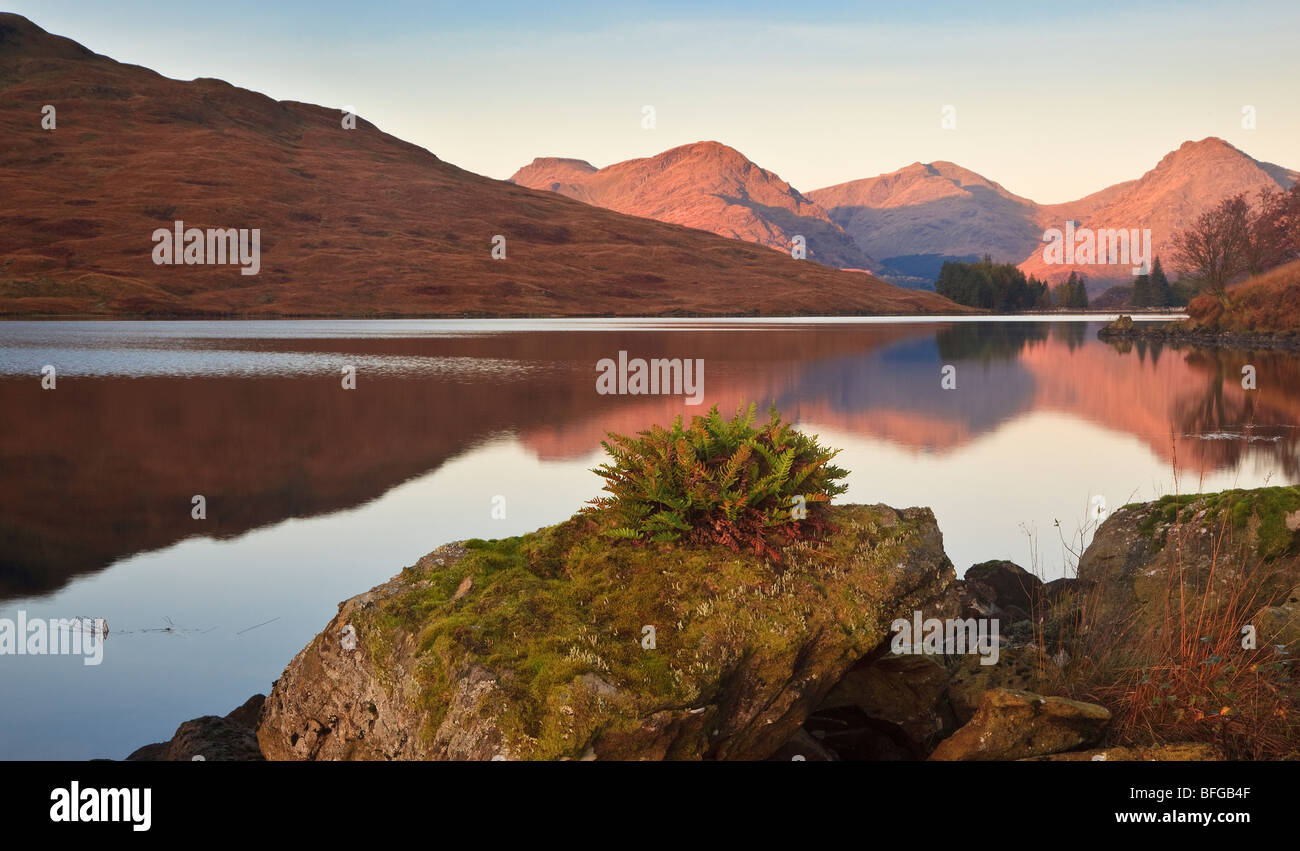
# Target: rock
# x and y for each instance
(1280, 625)
(567, 645)
(1223, 546)
(1017, 668)
(1012, 724)
(1015, 590)
(1183, 752)
(908, 692)
(975, 599)
(250, 713)
(1059, 590)
(232, 738)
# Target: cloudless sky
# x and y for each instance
(1052, 101)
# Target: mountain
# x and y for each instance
(708, 186)
(915, 218)
(352, 222)
(1183, 184)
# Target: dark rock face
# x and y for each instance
(896, 701)
(1015, 590)
(213, 738)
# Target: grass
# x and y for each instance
(1265, 304)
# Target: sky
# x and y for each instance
(1053, 102)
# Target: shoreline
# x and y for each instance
(1120, 331)
(827, 318)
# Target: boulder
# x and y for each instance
(1220, 546)
(1279, 625)
(567, 645)
(211, 737)
(1015, 590)
(1020, 667)
(1013, 724)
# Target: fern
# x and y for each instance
(717, 480)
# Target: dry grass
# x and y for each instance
(1184, 674)
(1267, 303)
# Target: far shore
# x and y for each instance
(810, 319)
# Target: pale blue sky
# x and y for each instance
(1052, 102)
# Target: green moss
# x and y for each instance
(1267, 506)
(546, 608)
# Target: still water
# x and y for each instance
(315, 493)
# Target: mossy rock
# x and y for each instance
(535, 647)
(1202, 549)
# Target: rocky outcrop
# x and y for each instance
(561, 645)
(565, 646)
(1207, 550)
(211, 738)
(1124, 331)
(1020, 667)
(900, 706)
(1013, 724)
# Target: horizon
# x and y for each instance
(535, 68)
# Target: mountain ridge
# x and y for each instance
(709, 186)
(909, 221)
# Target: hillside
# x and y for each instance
(1268, 304)
(708, 186)
(353, 222)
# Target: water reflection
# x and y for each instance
(106, 465)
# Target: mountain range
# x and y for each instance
(99, 156)
(906, 223)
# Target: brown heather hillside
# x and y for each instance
(353, 222)
(1265, 304)
(705, 185)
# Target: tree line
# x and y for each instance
(1002, 288)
